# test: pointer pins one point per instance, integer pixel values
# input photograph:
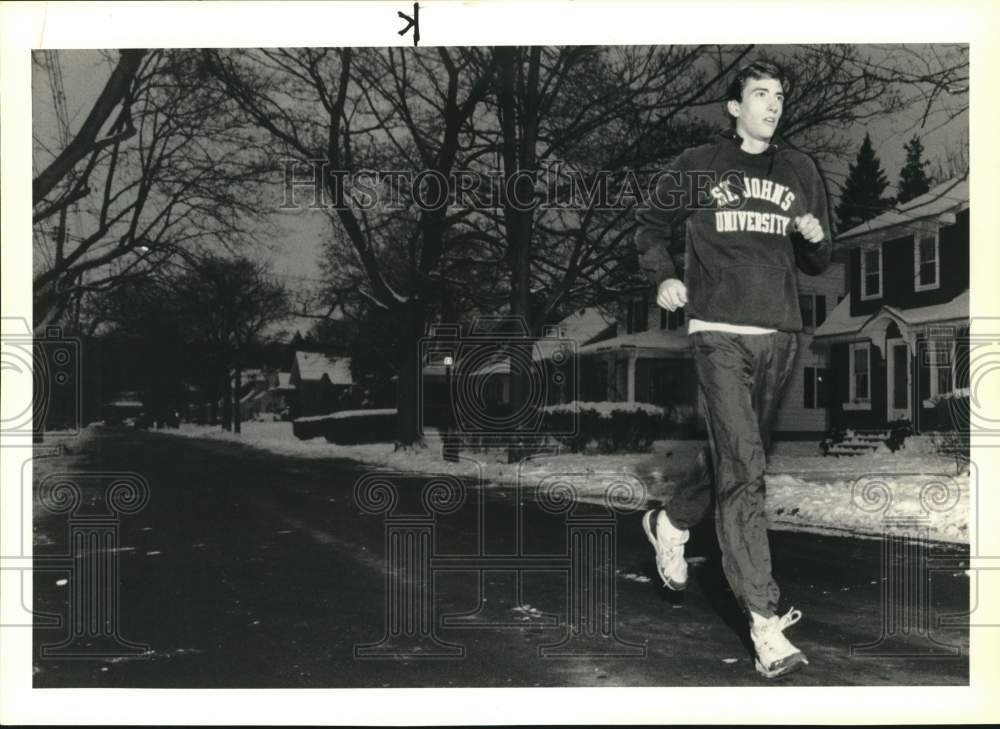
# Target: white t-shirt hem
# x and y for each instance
(697, 325)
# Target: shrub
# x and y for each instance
(607, 427)
(349, 427)
(899, 431)
(951, 412)
(310, 427)
(832, 437)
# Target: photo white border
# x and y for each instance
(26, 26)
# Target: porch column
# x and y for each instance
(630, 377)
(913, 360)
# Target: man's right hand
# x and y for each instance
(672, 294)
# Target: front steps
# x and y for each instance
(859, 442)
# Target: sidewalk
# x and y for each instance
(857, 496)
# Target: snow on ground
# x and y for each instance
(911, 492)
(67, 444)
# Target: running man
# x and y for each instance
(752, 210)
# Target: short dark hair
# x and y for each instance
(756, 70)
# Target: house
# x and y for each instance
(646, 361)
(481, 364)
(649, 361)
(803, 411)
(895, 342)
(265, 391)
(322, 384)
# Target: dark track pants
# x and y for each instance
(740, 382)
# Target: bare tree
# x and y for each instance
(519, 111)
(348, 110)
(154, 177)
(612, 116)
(116, 95)
(952, 162)
(226, 304)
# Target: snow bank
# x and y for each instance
(605, 408)
(805, 491)
(927, 506)
(340, 414)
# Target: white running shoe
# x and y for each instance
(668, 541)
(776, 656)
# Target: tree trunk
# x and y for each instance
(412, 318)
(47, 304)
(227, 403)
(517, 107)
(38, 399)
(115, 90)
(519, 308)
(237, 414)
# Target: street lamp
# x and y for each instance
(449, 444)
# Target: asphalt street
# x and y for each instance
(252, 570)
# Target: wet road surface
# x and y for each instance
(248, 569)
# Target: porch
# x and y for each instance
(896, 364)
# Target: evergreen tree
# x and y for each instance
(861, 198)
(913, 181)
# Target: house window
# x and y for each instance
(871, 273)
(814, 389)
(813, 308)
(638, 315)
(940, 355)
(926, 262)
(860, 365)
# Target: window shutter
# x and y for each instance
(876, 378)
(924, 369)
(839, 358)
(806, 309)
(822, 373)
(809, 388)
(820, 309)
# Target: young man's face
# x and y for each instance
(758, 113)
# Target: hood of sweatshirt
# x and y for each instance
(730, 147)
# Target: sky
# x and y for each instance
(295, 254)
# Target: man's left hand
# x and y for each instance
(809, 227)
